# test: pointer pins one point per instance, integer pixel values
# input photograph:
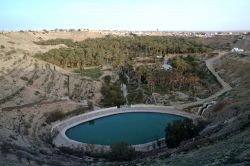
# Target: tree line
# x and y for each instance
(115, 50)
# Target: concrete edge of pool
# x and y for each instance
(59, 129)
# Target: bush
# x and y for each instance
(2, 46)
(112, 95)
(59, 115)
(122, 151)
(90, 105)
(135, 96)
(107, 79)
(24, 78)
(180, 65)
(189, 59)
(54, 116)
(94, 73)
(67, 42)
(181, 130)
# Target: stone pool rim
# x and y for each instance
(62, 140)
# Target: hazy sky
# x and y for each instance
(193, 15)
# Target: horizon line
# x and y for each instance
(119, 30)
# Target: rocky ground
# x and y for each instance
(30, 90)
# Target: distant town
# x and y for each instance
(202, 34)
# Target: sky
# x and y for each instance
(164, 15)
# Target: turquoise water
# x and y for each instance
(133, 128)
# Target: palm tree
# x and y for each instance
(141, 70)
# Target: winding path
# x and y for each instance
(225, 86)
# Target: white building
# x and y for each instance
(237, 50)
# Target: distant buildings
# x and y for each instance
(205, 34)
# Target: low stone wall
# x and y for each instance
(61, 140)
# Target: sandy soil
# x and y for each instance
(30, 88)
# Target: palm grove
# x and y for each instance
(121, 52)
(114, 50)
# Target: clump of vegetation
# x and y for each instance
(181, 130)
(54, 116)
(37, 93)
(122, 151)
(112, 94)
(24, 78)
(59, 115)
(115, 50)
(94, 73)
(2, 47)
(5, 148)
(67, 42)
(136, 96)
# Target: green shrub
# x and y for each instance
(59, 115)
(54, 116)
(112, 95)
(180, 64)
(92, 72)
(122, 151)
(181, 130)
(107, 79)
(135, 97)
(189, 59)
(68, 42)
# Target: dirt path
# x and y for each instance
(225, 86)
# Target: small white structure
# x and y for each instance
(166, 66)
(237, 50)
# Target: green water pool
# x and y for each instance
(133, 128)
